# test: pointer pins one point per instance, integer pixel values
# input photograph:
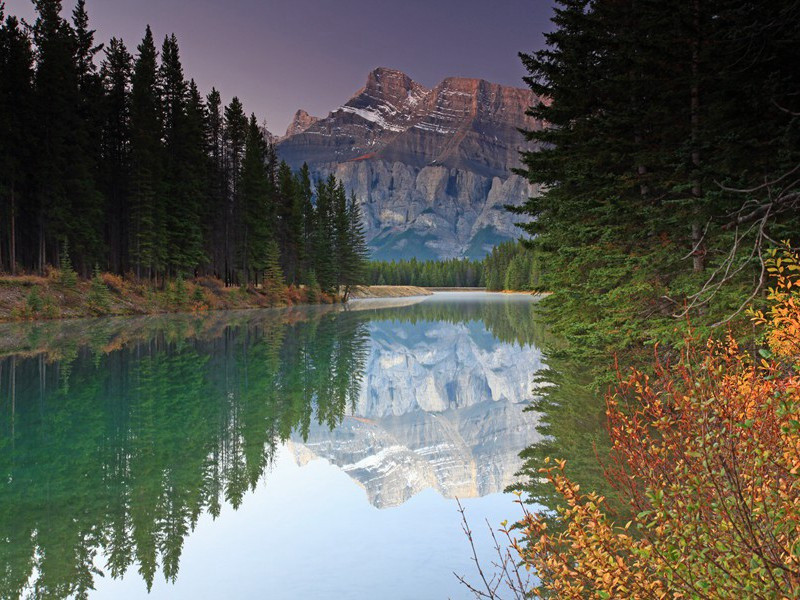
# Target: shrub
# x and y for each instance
(67, 275)
(34, 302)
(707, 453)
(210, 283)
(198, 295)
(313, 288)
(176, 293)
(99, 297)
(114, 282)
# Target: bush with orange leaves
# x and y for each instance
(707, 452)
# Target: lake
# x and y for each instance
(308, 452)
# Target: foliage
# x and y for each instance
(661, 188)
(706, 453)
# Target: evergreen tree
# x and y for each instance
(147, 232)
(183, 137)
(16, 78)
(325, 235)
(651, 113)
(216, 184)
(304, 197)
(356, 254)
(116, 149)
(59, 165)
(290, 221)
(257, 211)
(235, 135)
(273, 274)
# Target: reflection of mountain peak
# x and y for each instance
(440, 408)
(436, 367)
(467, 453)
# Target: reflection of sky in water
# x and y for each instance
(310, 533)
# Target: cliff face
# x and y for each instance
(440, 408)
(431, 167)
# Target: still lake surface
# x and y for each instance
(311, 452)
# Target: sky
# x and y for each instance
(282, 55)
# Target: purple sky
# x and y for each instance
(281, 55)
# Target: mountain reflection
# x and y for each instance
(117, 434)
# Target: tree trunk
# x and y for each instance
(42, 246)
(13, 248)
(698, 247)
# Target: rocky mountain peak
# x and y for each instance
(433, 167)
(301, 121)
(389, 82)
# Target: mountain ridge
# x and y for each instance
(431, 166)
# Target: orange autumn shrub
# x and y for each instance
(707, 453)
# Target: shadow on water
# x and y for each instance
(117, 434)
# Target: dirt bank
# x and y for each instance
(387, 291)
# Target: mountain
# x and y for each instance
(440, 407)
(432, 167)
(301, 122)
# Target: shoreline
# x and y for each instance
(39, 299)
(34, 298)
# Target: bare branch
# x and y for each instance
(764, 185)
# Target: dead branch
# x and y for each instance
(506, 569)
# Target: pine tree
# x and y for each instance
(16, 76)
(305, 194)
(235, 135)
(651, 113)
(273, 274)
(216, 184)
(356, 254)
(325, 235)
(183, 135)
(57, 130)
(115, 148)
(289, 219)
(87, 201)
(256, 207)
(147, 218)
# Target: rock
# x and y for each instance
(301, 121)
(432, 168)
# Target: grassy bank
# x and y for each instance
(30, 297)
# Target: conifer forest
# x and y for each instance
(112, 159)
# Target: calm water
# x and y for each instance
(298, 453)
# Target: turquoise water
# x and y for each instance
(293, 453)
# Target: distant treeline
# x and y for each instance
(510, 266)
(455, 272)
(117, 159)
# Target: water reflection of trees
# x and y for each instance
(117, 434)
(122, 450)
